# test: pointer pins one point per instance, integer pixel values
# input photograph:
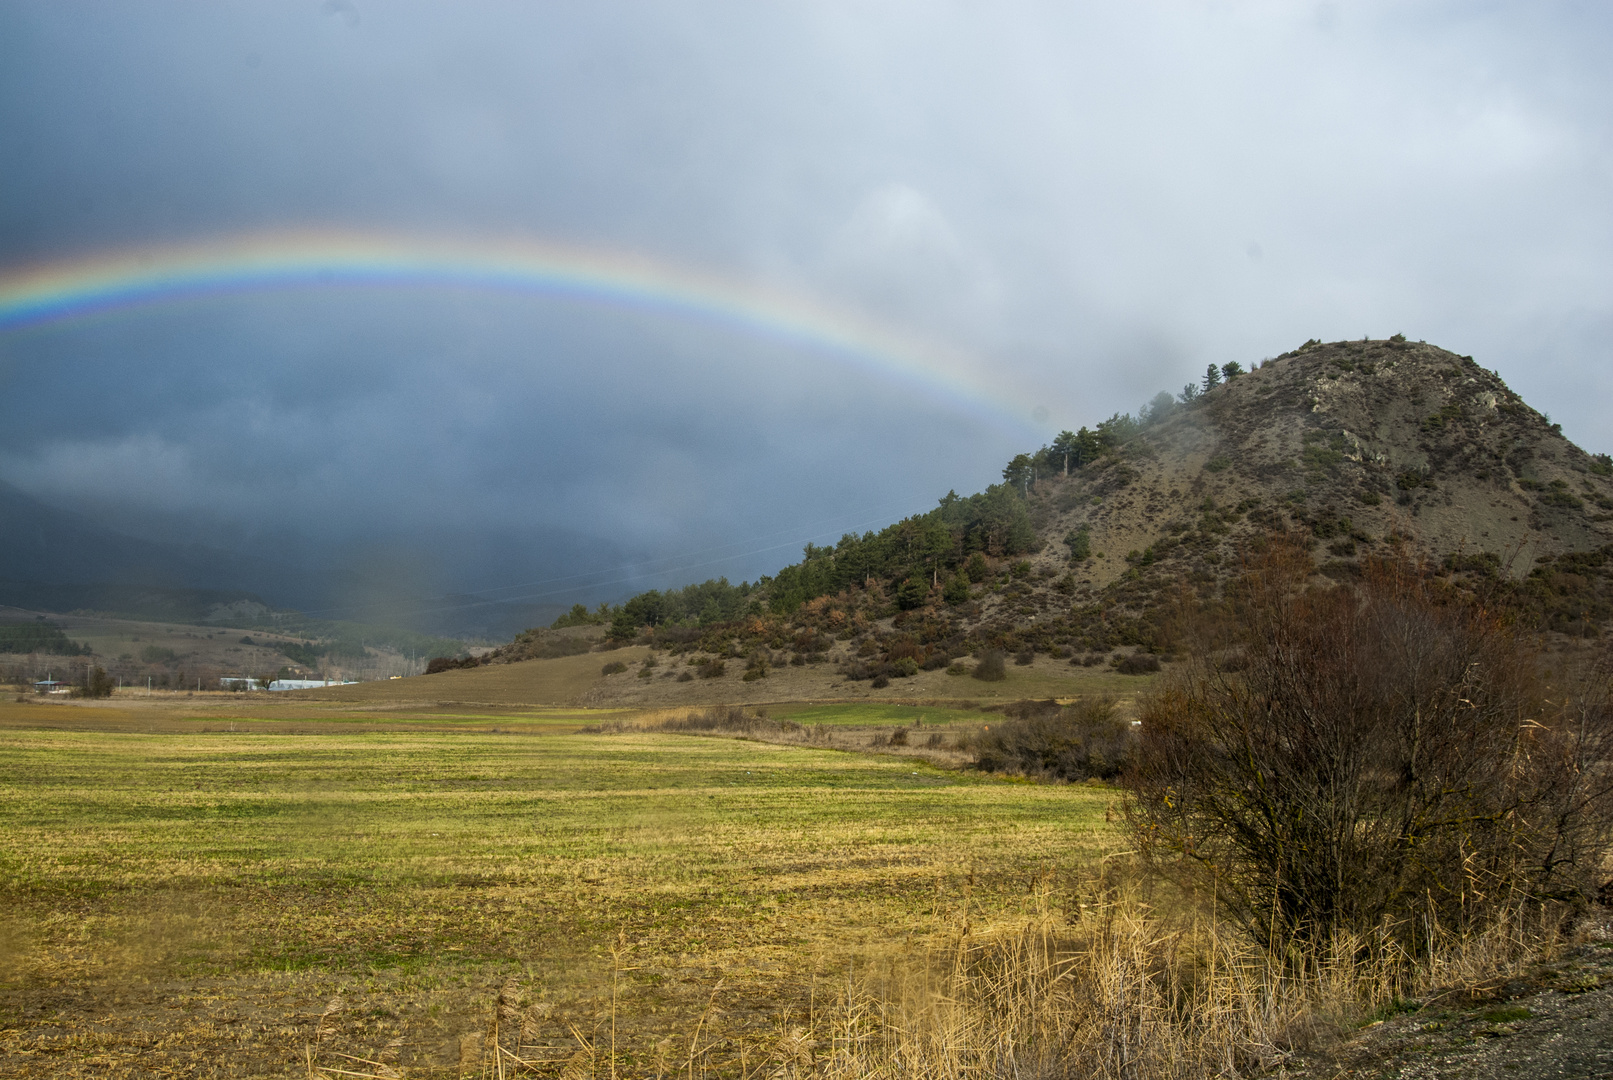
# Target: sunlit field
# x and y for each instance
(217, 902)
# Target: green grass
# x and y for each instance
(415, 871)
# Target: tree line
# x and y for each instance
(942, 549)
(1072, 450)
(39, 637)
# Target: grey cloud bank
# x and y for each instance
(1094, 201)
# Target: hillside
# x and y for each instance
(1369, 448)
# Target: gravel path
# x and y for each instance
(1557, 1022)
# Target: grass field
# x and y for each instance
(208, 902)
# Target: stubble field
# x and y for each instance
(201, 901)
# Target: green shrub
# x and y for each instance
(613, 667)
(97, 684)
(912, 593)
(581, 616)
(1080, 543)
(1564, 499)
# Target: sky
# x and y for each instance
(1052, 210)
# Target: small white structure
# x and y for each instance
(308, 684)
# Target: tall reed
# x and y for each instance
(1118, 992)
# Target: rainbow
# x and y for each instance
(77, 289)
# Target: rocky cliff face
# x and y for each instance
(1360, 442)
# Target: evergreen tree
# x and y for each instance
(1019, 472)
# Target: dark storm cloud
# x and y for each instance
(1094, 200)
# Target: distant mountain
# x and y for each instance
(55, 560)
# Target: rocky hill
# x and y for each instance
(1366, 445)
(1360, 442)
(1369, 448)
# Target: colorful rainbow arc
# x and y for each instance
(73, 290)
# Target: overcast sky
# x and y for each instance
(1090, 201)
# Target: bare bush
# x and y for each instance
(1068, 742)
(1137, 664)
(1378, 756)
(991, 668)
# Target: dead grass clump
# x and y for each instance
(717, 720)
(726, 718)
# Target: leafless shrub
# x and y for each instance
(990, 668)
(1379, 759)
(1063, 742)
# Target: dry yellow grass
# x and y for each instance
(531, 682)
(182, 899)
(1121, 993)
